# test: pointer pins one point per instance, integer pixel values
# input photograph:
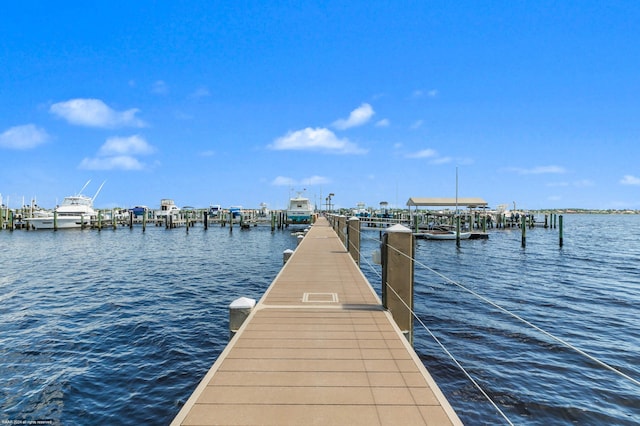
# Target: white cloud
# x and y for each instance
(160, 88)
(630, 180)
(539, 170)
(383, 123)
(318, 139)
(315, 180)
(287, 181)
(121, 162)
(200, 92)
(119, 153)
(417, 124)
(125, 146)
(358, 117)
(425, 153)
(421, 93)
(95, 113)
(442, 160)
(283, 181)
(436, 159)
(23, 137)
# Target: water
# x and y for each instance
(586, 293)
(119, 327)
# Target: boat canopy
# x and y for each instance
(446, 202)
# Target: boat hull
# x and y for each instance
(446, 235)
(71, 222)
(297, 218)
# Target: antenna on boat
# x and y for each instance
(98, 191)
(85, 185)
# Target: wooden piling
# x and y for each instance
(397, 277)
(560, 236)
(353, 239)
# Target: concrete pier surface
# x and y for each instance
(318, 349)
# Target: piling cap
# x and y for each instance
(243, 303)
(398, 228)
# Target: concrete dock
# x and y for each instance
(318, 349)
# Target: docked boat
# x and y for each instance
(167, 208)
(75, 211)
(442, 233)
(299, 210)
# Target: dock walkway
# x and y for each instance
(318, 349)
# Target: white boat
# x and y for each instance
(446, 235)
(299, 210)
(167, 208)
(76, 211)
(443, 233)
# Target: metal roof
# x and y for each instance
(446, 202)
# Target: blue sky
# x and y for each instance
(245, 102)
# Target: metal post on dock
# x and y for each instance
(353, 239)
(397, 252)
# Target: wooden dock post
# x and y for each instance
(397, 277)
(560, 230)
(458, 230)
(239, 310)
(286, 255)
(144, 220)
(341, 225)
(55, 220)
(353, 239)
(523, 227)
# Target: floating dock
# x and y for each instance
(318, 349)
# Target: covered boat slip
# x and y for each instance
(470, 203)
(318, 349)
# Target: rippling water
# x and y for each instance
(119, 327)
(586, 293)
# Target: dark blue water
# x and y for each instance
(119, 327)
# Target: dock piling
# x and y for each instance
(397, 277)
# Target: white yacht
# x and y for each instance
(76, 211)
(299, 211)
